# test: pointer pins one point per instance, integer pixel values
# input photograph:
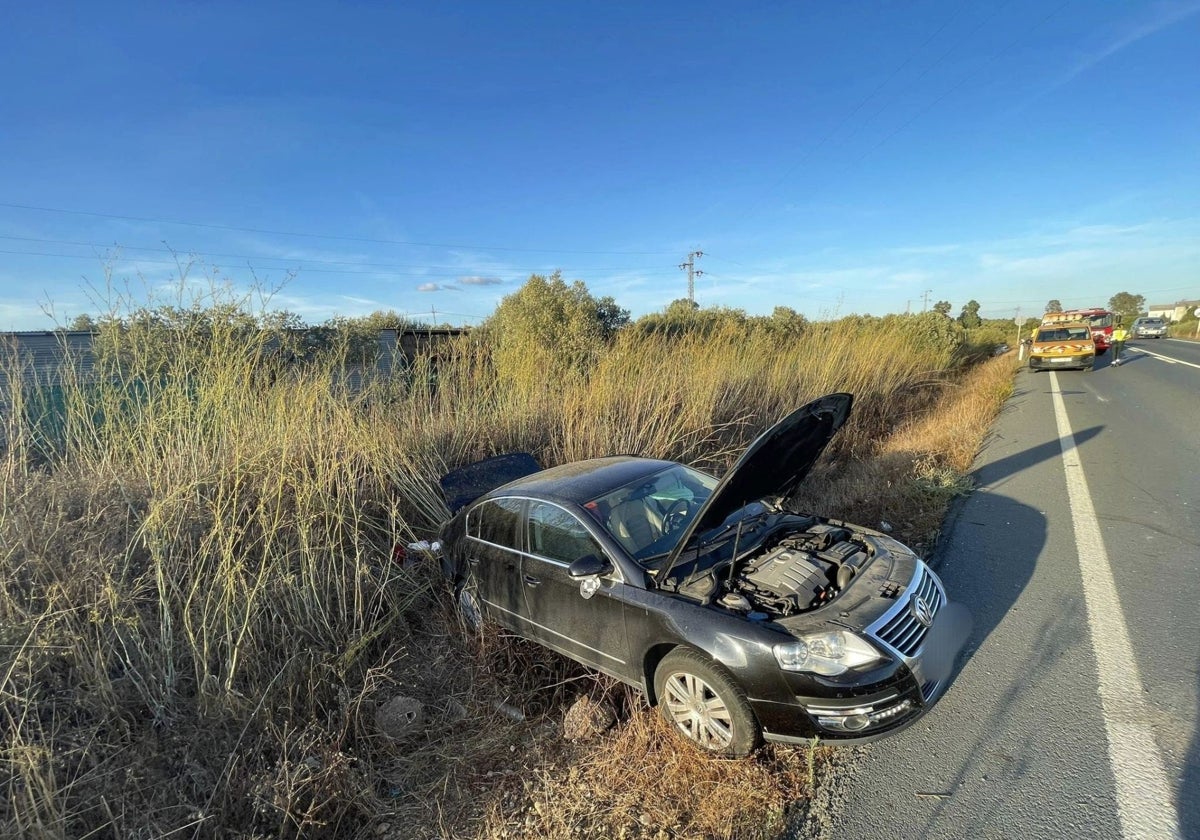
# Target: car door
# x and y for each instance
(495, 540)
(589, 630)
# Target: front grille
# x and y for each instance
(903, 631)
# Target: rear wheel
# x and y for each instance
(704, 704)
(468, 606)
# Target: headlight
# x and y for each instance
(827, 653)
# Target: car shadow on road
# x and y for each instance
(987, 575)
(987, 558)
(1189, 783)
(997, 579)
(990, 581)
(995, 473)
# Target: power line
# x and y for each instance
(457, 270)
(337, 237)
(921, 112)
(1013, 301)
(968, 77)
(995, 11)
(812, 150)
(175, 264)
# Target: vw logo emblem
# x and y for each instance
(921, 611)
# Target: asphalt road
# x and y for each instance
(1074, 713)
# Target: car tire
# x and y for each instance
(704, 704)
(469, 608)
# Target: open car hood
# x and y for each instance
(771, 468)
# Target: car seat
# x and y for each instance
(636, 523)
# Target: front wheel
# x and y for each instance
(702, 701)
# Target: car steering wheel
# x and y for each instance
(676, 515)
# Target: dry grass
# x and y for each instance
(200, 614)
(641, 781)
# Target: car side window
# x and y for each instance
(496, 521)
(556, 534)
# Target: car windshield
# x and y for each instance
(1152, 322)
(1064, 334)
(648, 516)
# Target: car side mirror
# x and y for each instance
(587, 571)
(590, 565)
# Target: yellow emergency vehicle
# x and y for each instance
(1062, 345)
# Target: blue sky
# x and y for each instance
(834, 157)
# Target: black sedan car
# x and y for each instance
(740, 617)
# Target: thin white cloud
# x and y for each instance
(480, 281)
(362, 301)
(920, 250)
(281, 252)
(1162, 16)
(1062, 263)
(24, 315)
(429, 287)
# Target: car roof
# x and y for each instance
(581, 481)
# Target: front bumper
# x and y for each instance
(896, 695)
(1064, 361)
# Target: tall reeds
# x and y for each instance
(200, 607)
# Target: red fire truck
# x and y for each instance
(1101, 322)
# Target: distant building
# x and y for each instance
(1172, 311)
(41, 357)
(40, 354)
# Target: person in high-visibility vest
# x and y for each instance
(1119, 334)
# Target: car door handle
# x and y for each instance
(530, 580)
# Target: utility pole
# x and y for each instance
(693, 272)
(925, 299)
(908, 307)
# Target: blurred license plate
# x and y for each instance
(1060, 360)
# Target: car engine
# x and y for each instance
(798, 573)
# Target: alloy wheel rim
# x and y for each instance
(698, 711)
(469, 607)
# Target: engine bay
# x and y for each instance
(791, 572)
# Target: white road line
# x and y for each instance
(1144, 796)
(1166, 359)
